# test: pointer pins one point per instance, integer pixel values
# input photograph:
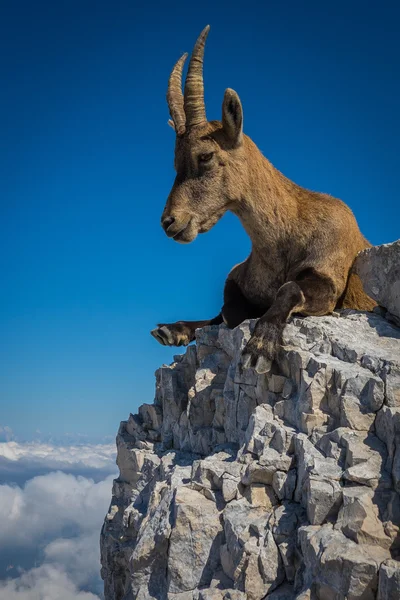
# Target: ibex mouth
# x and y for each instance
(185, 234)
(172, 232)
(181, 236)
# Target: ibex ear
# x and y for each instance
(232, 117)
(171, 124)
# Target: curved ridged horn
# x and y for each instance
(195, 109)
(175, 96)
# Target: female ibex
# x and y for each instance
(303, 243)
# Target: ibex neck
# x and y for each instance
(268, 207)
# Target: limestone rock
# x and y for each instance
(258, 494)
(254, 561)
(196, 534)
(379, 270)
(285, 485)
(338, 567)
(389, 580)
(359, 519)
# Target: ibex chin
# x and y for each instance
(303, 243)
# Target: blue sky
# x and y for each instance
(87, 164)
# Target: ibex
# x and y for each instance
(303, 243)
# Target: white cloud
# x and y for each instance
(50, 504)
(22, 461)
(95, 456)
(54, 519)
(79, 557)
(47, 582)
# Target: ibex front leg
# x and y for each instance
(309, 294)
(180, 333)
(235, 310)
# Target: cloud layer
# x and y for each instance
(49, 539)
(43, 583)
(22, 461)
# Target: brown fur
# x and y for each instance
(303, 243)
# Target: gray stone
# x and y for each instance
(213, 470)
(389, 580)
(148, 561)
(258, 494)
(256, 473)
(284, 523)
(251, 556)
(359, 518)
(387, 426)
(221, 476)
(276, 383)
(151, 415)
(283, 592)
(322, 499)
(196, 535)
(338, 567)
(284, 484)
(311, 463)
(379, 271)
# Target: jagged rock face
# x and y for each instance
(284, 486)
(379, 270)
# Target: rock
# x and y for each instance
(388, 431)
(196, 535)
(379, 271)
(148, 561)
(217, 472)
(258, 433)
(253, 560)
(285, 522)
(284, 485)
(258, 494)
(305, 595)
(338, 567)
(322, 499)
(389, 580)
(276, 383)
(366, 457)
(272, 459)
(284, 592)
(318, 487)
(256, 473)
(359, 518)
(151, 415)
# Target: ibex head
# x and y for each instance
(209, 156)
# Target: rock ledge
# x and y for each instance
(283, 486)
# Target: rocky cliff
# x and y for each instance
(283, 486)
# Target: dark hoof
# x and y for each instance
(174, 334)
(262, 347)
(260, 364)
(163, 335)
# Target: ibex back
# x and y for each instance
(303, 243)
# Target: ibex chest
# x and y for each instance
(260, 279)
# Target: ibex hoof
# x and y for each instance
(174, 334)
(261, 349)
(163, 336)
(260, 364)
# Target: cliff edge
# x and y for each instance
(284, 486)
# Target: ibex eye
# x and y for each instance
(206, 157)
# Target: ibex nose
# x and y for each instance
(167, 222)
